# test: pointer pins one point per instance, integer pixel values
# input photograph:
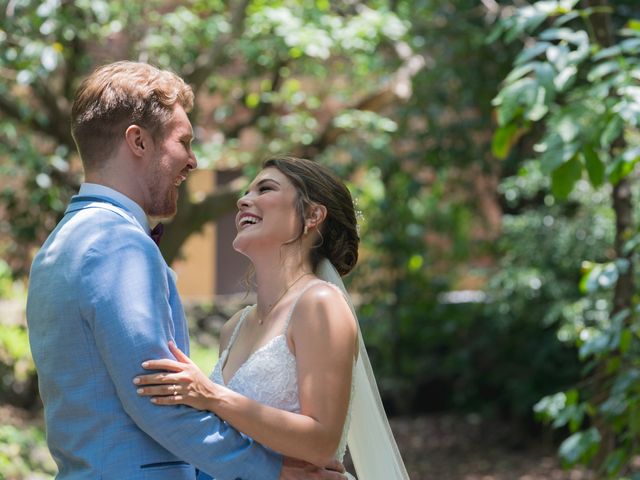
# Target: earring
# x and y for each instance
(305, 231)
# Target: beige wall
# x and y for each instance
(196, 269)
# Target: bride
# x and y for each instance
(293, 373)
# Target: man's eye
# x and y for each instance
(265, 188)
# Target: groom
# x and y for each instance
(102, 299)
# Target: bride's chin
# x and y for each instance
(237, 245)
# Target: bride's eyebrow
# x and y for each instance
(260, 183)
(266, 180)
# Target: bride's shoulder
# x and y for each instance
(320, 309)
(322, 302)
(322, 291)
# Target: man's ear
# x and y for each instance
(315, 216)
(137, 139)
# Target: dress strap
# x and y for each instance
(295, 302)
(243, 315)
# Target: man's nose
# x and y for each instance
(193, 161)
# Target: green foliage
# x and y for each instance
(6, 280)
(433, 349)
(576, 92)
(23, 454)
(533, 296)
(292, 76)
(584, 93)
(18, 383)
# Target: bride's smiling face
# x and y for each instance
(267, 215)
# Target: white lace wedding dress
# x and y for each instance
(373, 449)
(269, 375)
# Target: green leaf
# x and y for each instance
(595, 167)
(608, 53)
(511, 99)
(566, 18)
(630, 46)
(623, 165)
(519, 72)
(575, 37)
(589, 279)
(602, 70)
(565, 78)
(550, 406)
(531, 52)
(539, 108)
(503, 139)
(611, 132)
(495, 33)
(615, 461)
(580, 447)
(558, 55)
(565, 177)
(598, 343)
(556, 151)
(634, 25)
(545, 75)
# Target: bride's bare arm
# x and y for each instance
(323, 340)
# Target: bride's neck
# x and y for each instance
(273, 278)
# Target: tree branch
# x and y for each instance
(194, 216)
(13, 110)
(57, 114)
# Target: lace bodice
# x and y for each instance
(275, 362)
(269, 375)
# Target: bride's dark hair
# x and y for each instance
(317, 185)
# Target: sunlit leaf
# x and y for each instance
(602, 70)
(630, 46)
(503, 139)
(608, 52)
(565, 78)
(580, 446)
(531, 52)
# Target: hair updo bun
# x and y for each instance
(316, 184)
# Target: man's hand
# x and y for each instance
(293, 469)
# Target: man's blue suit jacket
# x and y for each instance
(101, 301)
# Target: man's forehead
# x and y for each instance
(181, 121)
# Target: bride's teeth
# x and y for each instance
(248, 221)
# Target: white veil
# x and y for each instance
(371, 444)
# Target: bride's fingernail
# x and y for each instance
(145, 364)
(140, 390)
(136, 380)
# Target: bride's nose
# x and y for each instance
(243, 201)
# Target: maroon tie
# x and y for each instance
(156, 233)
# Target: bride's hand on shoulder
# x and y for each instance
(179, 382)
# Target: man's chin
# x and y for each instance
(164, 212)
